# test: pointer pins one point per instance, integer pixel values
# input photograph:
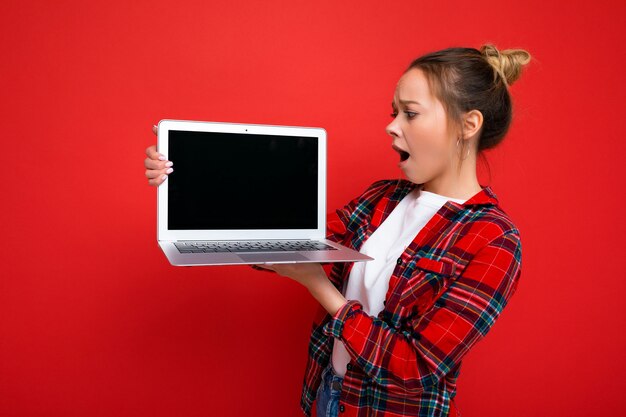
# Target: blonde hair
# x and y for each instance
(507, 63)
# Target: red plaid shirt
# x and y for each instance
(448, 288)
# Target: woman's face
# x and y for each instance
(419, 129)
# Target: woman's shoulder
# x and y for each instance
(487, 229)
(389, 186)
(383, 190)
(491, 222)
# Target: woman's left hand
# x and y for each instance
(305, 273)
(313, 276)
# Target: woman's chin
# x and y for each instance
(417, 179)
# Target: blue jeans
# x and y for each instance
(328, 393)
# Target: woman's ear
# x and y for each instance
(472, 122)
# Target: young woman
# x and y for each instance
(391, 333)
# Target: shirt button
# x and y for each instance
(349, 367)
(399, 261)
(342, 408)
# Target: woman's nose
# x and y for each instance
(392, 129)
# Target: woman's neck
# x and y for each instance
(454, 189)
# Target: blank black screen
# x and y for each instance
(242, 181)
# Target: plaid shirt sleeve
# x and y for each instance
(408, 361)
(338, 222)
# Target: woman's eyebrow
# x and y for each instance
(405, 102)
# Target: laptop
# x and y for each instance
(244, 194)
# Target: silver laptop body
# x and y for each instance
(244, 194)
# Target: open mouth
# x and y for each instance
(404, 155)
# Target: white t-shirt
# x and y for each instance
(369, 281)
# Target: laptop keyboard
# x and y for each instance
(250, 246)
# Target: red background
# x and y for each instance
(95, 321)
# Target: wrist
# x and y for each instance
(327, 294)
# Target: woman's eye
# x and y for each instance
(409, 114)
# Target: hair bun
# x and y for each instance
(507, 63)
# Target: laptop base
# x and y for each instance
(342, 254)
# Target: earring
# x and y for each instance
(468, 149)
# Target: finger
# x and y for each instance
(157, 181)
(158, 173)
(153, 173)
(263, 268)
(152, 153)
(155, 130)
(152, 164)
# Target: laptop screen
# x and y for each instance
(224, 181)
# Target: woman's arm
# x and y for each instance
(437, 341)
(327, 294)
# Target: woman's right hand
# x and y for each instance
(157, 166)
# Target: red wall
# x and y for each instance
(95, 322)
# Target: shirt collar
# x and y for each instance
(485, 196)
